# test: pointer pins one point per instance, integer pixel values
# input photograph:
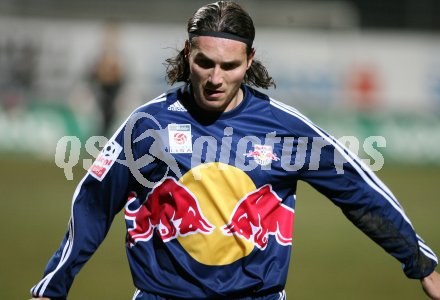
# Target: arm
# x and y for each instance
(96, 201)
(368, 204)
(342, 177)
(431, 285)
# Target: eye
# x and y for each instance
(230, 66)
(204, 63)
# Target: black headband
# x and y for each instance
(223, 35)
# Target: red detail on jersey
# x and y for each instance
(180, 138)
(259, 215)
(170, 209)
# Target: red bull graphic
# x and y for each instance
(222, 209)
(170, 209)
(260, 214)
(263, 154)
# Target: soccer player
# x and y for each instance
(206, 175)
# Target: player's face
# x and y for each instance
(217, 68)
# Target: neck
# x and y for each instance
(235, 101)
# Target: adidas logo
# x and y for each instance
(176, 106)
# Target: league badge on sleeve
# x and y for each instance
(105, 160)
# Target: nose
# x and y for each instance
(216, 76)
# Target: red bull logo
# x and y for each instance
(170, 209)
(263, 154)
(259, 215)
(220, 210)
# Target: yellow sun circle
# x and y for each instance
(217, 187)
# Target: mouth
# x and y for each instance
(213, 93)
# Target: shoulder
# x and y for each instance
(287, 112)
(287, 116)
(279, 109)
(153, 113)
(160, 103)
(256, 94)
(292, 118)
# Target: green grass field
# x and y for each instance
(331, 258)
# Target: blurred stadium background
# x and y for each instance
(357, 68)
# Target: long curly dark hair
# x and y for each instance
(221, 16)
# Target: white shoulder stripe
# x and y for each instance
(40, 288)
(136, 293)
(158, 99)
(359, 165)
(366, 174)
(369, 173)
(425, 249)
(428, 253)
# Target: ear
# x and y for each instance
(250, 58)
(186, 49)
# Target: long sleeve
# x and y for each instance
(367, 202)
(341, 176)
(99, 196)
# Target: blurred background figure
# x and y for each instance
(18, 62)
(107, 78)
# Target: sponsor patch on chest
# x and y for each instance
(180, 139)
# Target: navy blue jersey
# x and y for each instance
(209, 199)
